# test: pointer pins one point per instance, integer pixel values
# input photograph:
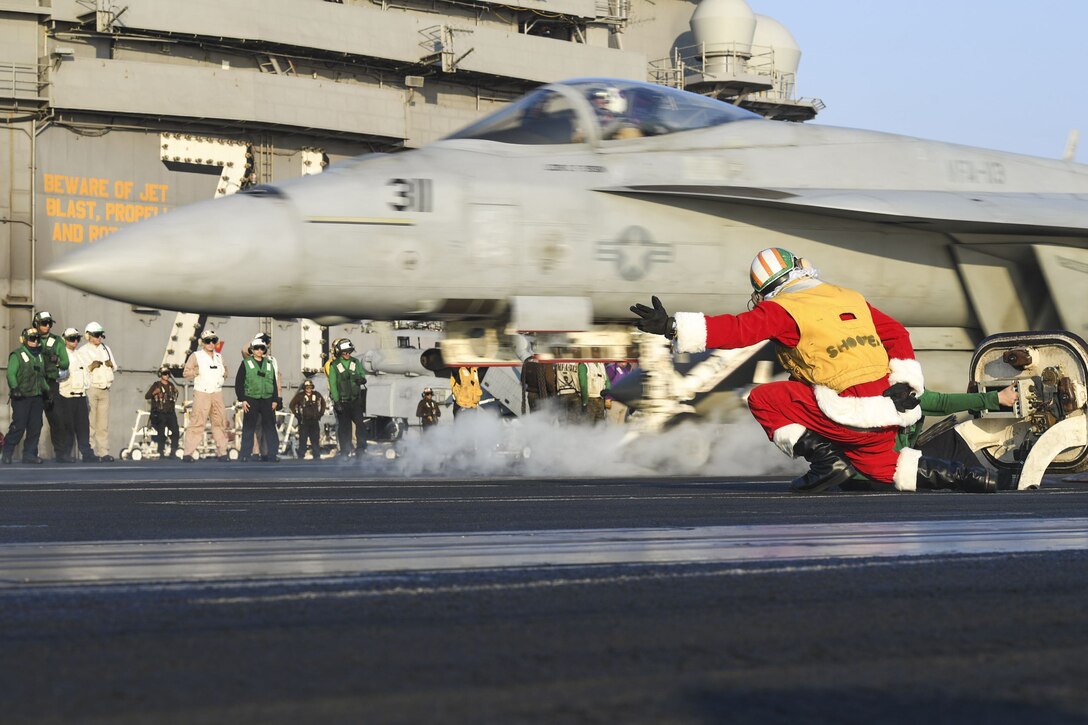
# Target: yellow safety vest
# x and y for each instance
(467, 391)
(839, 345)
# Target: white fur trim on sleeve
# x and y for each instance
(906, 470)
(690, 331)
(869, 412)
(907, 371)
(787, 436)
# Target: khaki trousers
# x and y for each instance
(98, 401)
(205, 406)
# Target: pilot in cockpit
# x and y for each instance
(610, 105)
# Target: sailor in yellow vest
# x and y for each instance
(256, 388)
(465, 386)
(854, 377)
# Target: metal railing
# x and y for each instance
(613, 11)
(20, 80)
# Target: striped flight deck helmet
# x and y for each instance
(770, 267)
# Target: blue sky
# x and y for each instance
(1003, 74)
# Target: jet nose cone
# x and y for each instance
(203, 257)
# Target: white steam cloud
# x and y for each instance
(543, 445)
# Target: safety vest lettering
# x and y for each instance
(852, 342)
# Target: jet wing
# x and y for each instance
(963, 212)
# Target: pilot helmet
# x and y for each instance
(608, 98)
(770, 268)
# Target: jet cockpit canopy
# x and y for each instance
(601, 109)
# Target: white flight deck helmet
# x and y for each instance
(94, 328)
(209, 335)
(259, 340)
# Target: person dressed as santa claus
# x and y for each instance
(853, 384)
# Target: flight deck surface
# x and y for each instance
(327, 592)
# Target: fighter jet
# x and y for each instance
(554, 214)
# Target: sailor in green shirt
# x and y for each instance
(257, 388)
(55, 357)
(946, 443)
(28, 385)
(347, 388)
(934, 403)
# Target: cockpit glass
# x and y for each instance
(542, 117)
(620, 109)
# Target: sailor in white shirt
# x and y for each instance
(71, 403)
(101, 365)
(206, 369)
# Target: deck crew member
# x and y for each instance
(206, 369)
(347, 388)
(28, 386)
(568, 391)
(102, 367)
(593, 382)
(71, 403)
(427, 409)
(55, 357)
(163, 395)
(256, 387)
(854, 377)
(308, 407)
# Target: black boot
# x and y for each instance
(936, 473)
(829, 465)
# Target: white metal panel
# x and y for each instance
(543, 59)
(366, 31)
(992, 286)
(1066, 272)
(169, 90)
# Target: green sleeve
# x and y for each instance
(334, 382)
(934, 403)
(14, 363)
(583, 382)
(62, 355)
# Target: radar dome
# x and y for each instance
(724, 26)
(770, 33)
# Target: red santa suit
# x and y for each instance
(847, 356)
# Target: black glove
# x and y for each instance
(655, 320)
(902, 395)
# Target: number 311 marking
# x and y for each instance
(412, 195)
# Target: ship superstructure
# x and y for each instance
(116, 111)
